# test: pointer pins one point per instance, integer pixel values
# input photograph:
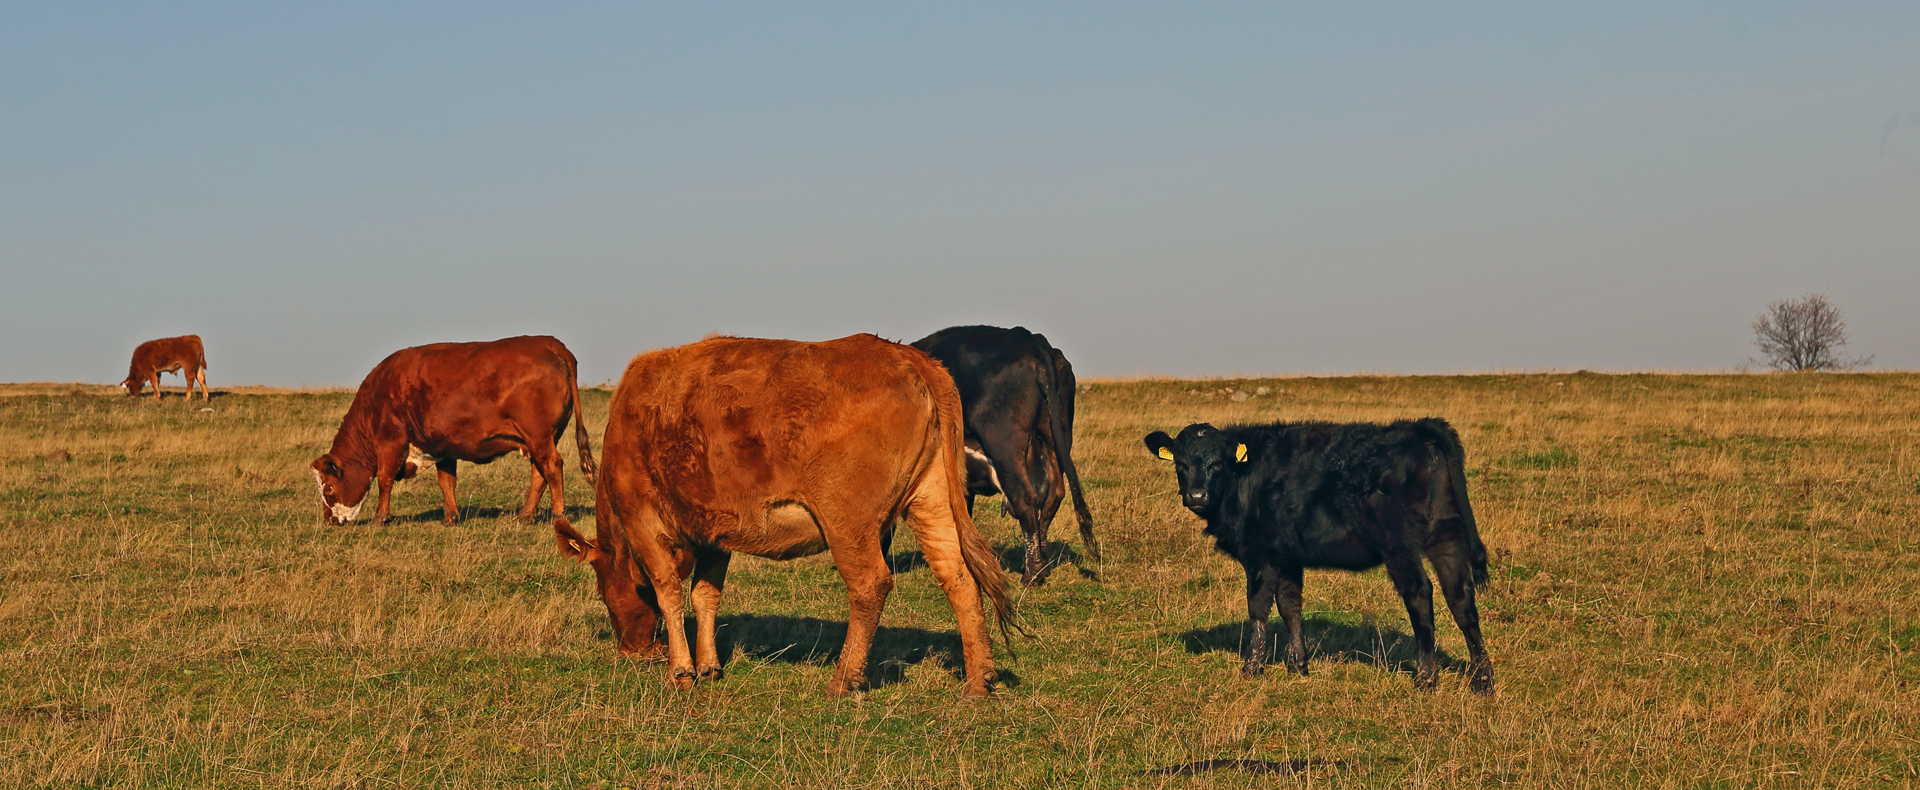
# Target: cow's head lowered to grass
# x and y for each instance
(1204, 460)
(343, 489)
(631, 603)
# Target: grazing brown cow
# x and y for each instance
(168, 355)
(449, 402)
(782, 449)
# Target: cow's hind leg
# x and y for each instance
(1416, 591)
(206, 395)
(709, 580)
(931, 514)
(536, 485)
(854, 539)
(1455, 571)
(449, 509)
(1288, 584)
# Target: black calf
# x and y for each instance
(1290, 496)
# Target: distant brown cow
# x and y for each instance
(168, 355)
(450, 402)
(782, 449)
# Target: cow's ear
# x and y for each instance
(572, 544)
(1160, 444)
(1240, 453)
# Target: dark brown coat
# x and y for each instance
(782, 449)
(168, 355)
(450, 402)
(1017, 391)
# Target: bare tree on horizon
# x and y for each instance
(1804, 334)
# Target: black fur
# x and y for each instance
(1016, 391)
(1350, 496)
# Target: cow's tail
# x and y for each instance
(979, 557)
(1059, 406)
(1456, 460)
(587, 466)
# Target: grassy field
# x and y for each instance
(1698, 581)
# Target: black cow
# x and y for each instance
(1285, 497)
(1017, 394)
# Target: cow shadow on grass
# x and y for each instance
(543, 516)
(811, 640)
(1327, 640)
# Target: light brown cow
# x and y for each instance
(449, 402)
(782, 449)
(168, 355)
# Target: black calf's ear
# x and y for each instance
(1160, 444)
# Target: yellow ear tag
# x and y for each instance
(1166, 453)
(576, 546)
(1240, 453)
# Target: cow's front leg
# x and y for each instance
(1262, 583)
(385, 483)
(449, 509)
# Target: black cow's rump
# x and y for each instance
(1285, 497)
(1017, 394)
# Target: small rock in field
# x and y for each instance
(1240, 396)
(1261, 391)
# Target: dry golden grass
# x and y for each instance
(1699, 581)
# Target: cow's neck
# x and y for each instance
(354, 450)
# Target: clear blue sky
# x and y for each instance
(1162, 189)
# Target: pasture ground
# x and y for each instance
(1698, 581)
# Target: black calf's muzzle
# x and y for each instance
(1197, 501)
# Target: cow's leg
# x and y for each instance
(709, 580)
(1262, 584)
(156, 386)
(932, 516)
(536, 485)
(663, 567)
(547, 462)
(1416, 591)
(381, 509)
(449, 509)
(1022, 503)
(206, 395)
(856, 554)
(1455, 572)
(1289, 579)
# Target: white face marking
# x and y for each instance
(341, 513)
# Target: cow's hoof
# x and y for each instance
(1093, 548)
(1482, 682)
(711, 673)
(976, 691)
(1251, 670)
(682, 678)
(1298, 669)
(1424, 682)
(839, 687)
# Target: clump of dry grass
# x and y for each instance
(1698, 581)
